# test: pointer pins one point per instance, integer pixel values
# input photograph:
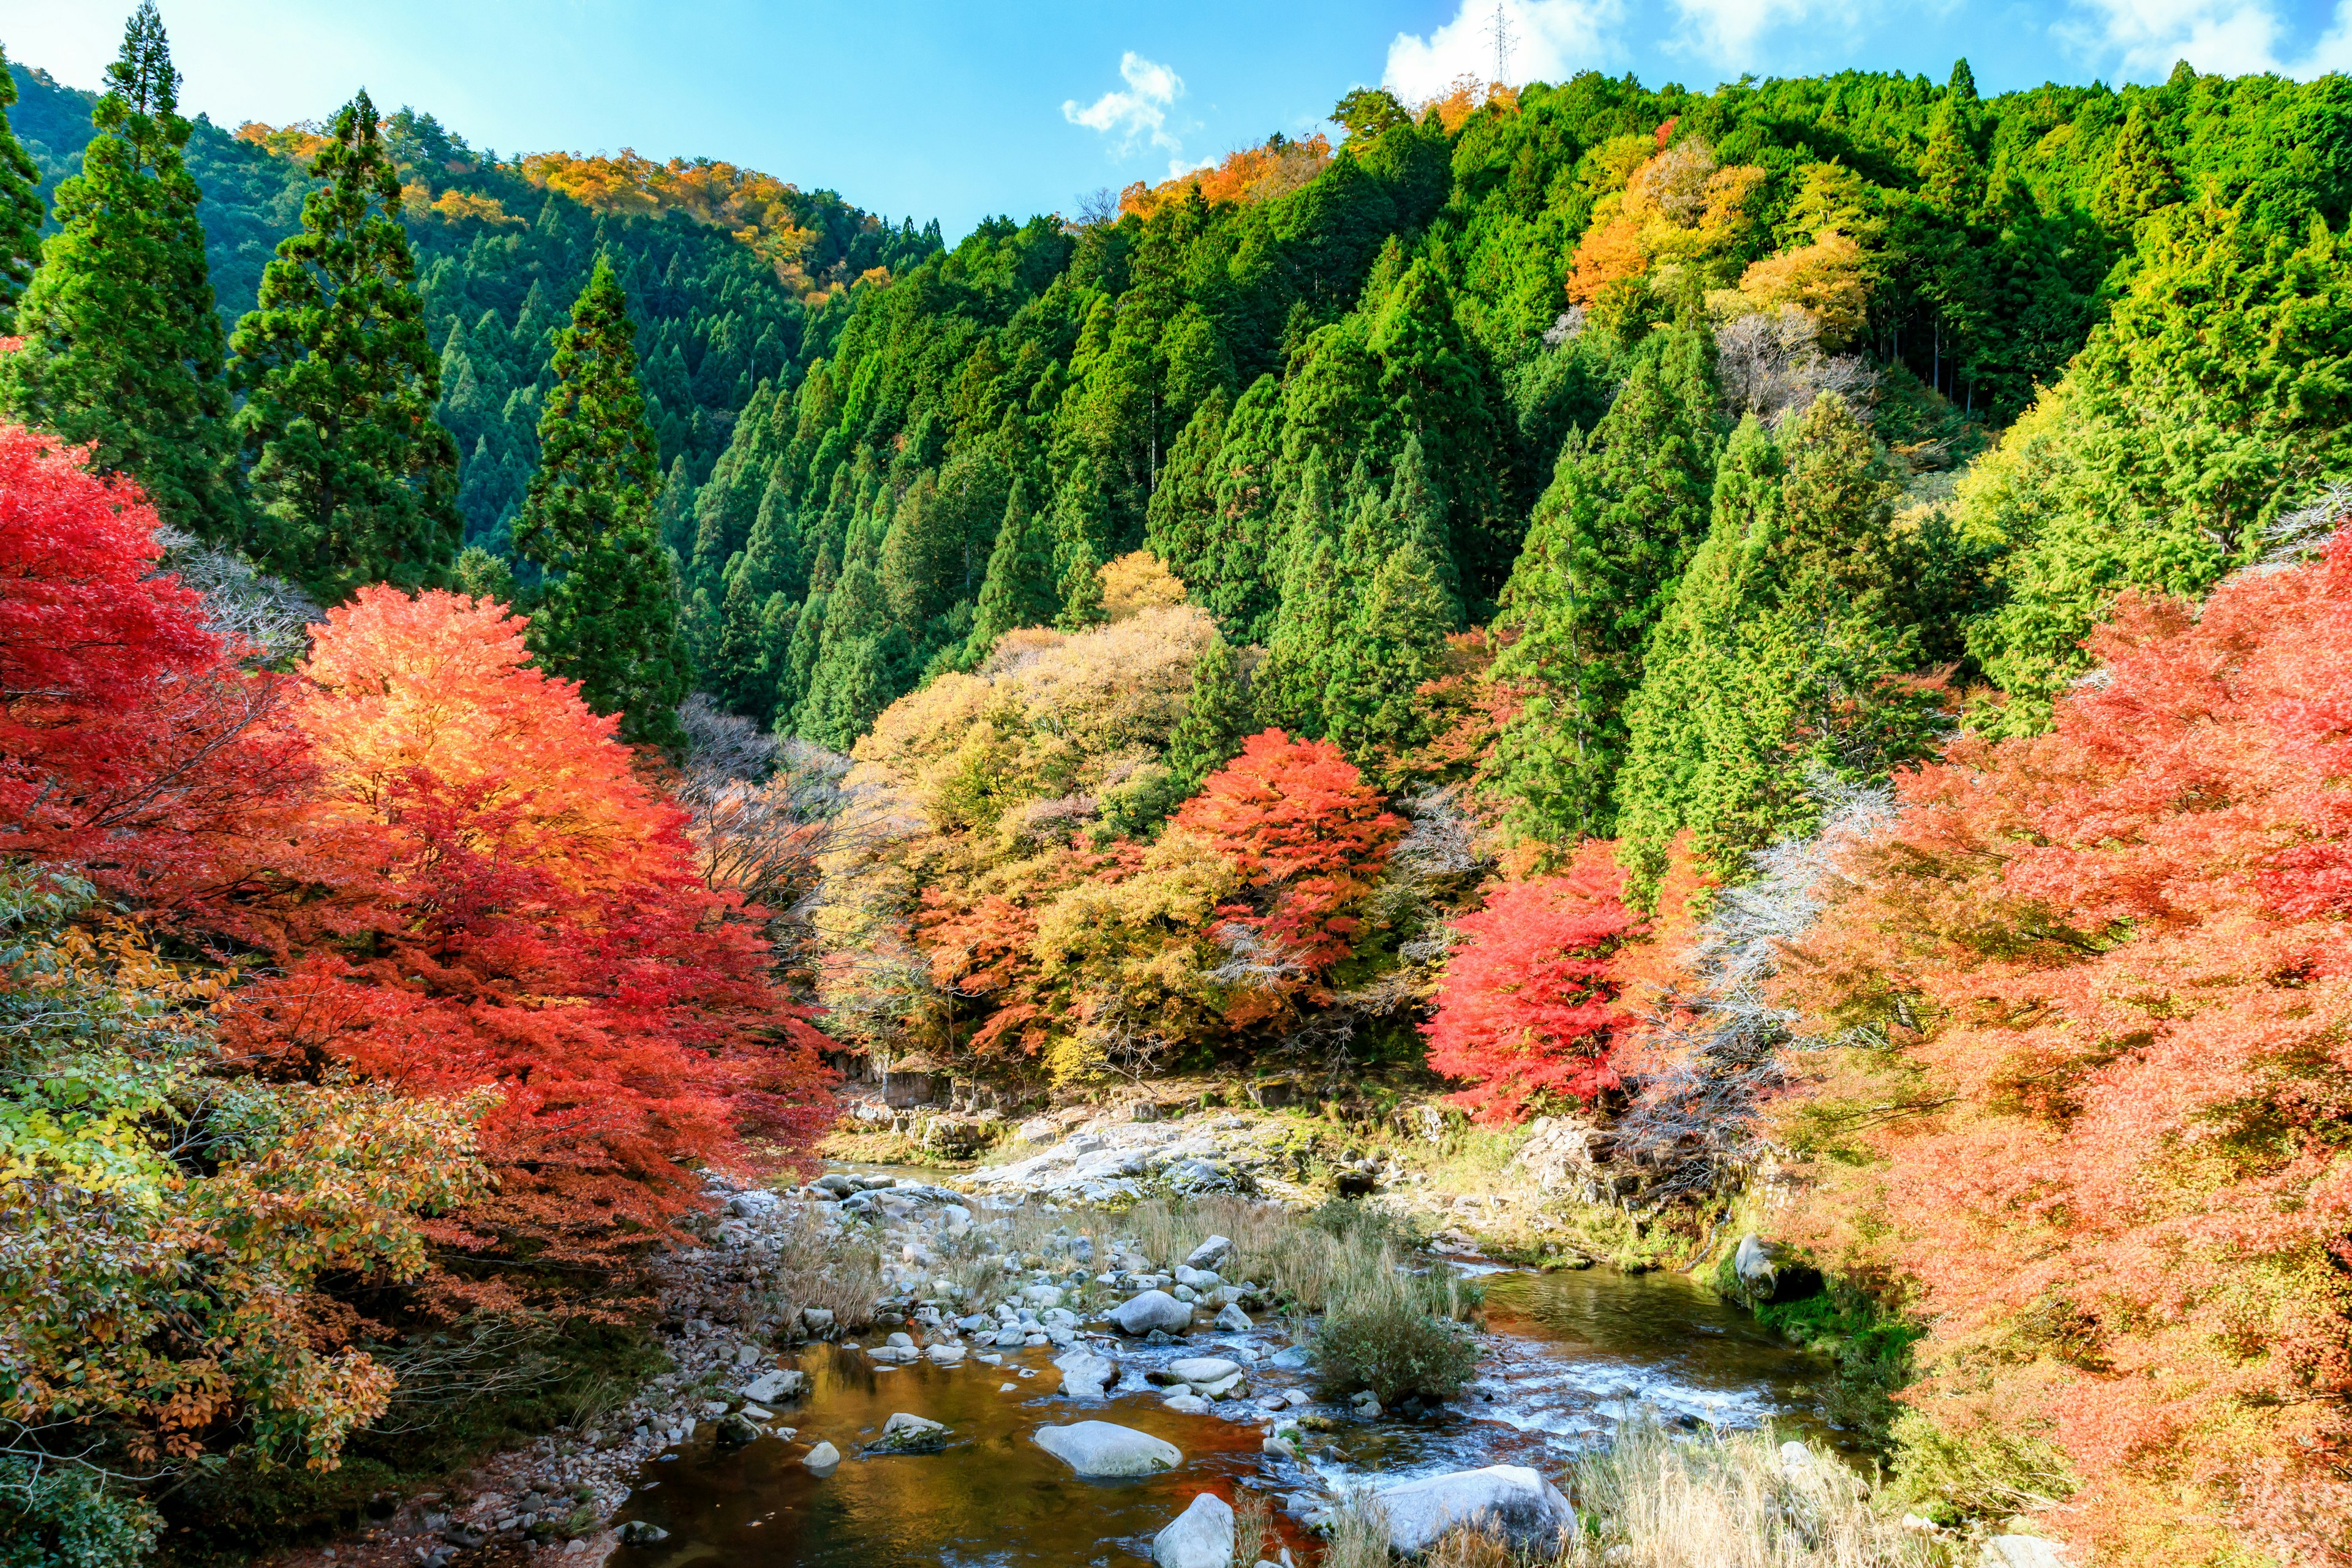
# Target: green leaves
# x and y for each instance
(353, 481)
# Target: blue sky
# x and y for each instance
(957, 109)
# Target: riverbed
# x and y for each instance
(1564, 1358)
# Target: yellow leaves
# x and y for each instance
(1677, 209)
(454, 205)
(1828, 280)
(1136, 582)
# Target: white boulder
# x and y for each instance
(1510, 1500)
(1084, 1374)
(1100, 1448)
(823, 1459)
(1200, 1537)
(1152, 1309)
(1210, 1253)
(768, 1388)
(1201, 1369)
(2021, 1551)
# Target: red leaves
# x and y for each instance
(129, 742)
(1300, 822)
(1529, 1011)
(539, 926)
(2114, 964)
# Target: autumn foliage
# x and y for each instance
(1305, 831)
(456, 988)
(2105, 981)
(533, 921)
(1530, 1010)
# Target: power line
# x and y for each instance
(1500, 31)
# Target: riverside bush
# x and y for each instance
(1395, 1333)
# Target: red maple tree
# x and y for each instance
(1528, 1011)
(2105, 975)
(1305, 831)
(536, 923)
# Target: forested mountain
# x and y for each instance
(1413, 331)
(505, 245)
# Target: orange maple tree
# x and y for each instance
(2104, 980)
(534, 921)
(1305, 831)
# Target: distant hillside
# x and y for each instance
(734, 276)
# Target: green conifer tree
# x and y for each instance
(607, 612)
(20, 205)
(1217, 719)
(1782, 656)
(2139, 178)
(1393, 643)
(1311, 617)
(1180, 522)
(122, 345)
(1081, 589)
(1623, 512)
(1420, 513)
(1242, 581)
(1019, 589)
(353, 481)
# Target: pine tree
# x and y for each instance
(1019, 589)
(20, 205)
(1080, 590)
(1308, 622)
(2139, 179)
(1244, 582)
(860, 662)
(1216, 719)
(122, 347)
(607, 615)
(1181, 520)
(1951, 172)
(1420, 513)
(353, 481)
(1783, 653)
(1609, 536)
(1393, 643)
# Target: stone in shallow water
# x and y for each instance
(1200, 1537)
(1507, 1499)
(1085, 1373)
(823, 1459)
(1100, 1448)
(1153, 1309)
(1186, 1403)
(1201, 1369)
(1233, 1320)
(769, 1387)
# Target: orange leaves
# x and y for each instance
(443, 683)
(1609, 253)
(1302, 827)
(1529, 1012)
(539, 926)
(2114, 971)
(1248, 174)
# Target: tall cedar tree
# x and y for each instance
(20, 205)
(122, 347)
(1018, 590)
(607, 616)
(1609, 539)
(353, 481)
(1783, 655)
(1216, 718)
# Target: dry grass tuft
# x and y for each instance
(1660, 1500)
(1254, 1534)
(819, 1265)
(1359, 1534)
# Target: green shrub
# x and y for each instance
(1868, 1342)
(1395, 1333)
(52, 1517)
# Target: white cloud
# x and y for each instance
(1727, 32)
(2140, 39)
(1140, 113)
(1552, 41)
(2334, 50)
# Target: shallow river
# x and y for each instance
(1567, 1355)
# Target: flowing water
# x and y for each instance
(1566, 1356)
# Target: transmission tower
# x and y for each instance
(1500, 31)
